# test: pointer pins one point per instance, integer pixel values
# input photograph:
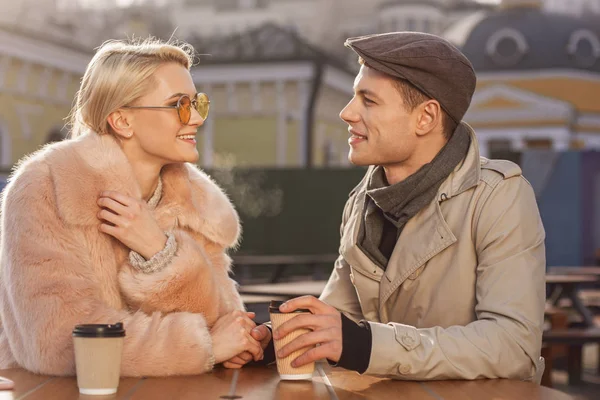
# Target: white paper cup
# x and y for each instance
(98, 351)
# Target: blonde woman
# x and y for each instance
(116, 224)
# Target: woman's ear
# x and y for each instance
(119, 121)
(429, 117)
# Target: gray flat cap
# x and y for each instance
(427, 61)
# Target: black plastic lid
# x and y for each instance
(274, 308)
(99, 330)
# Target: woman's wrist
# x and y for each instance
(159, 260)
(156, 245)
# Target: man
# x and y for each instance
(442, 259)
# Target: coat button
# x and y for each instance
(408, 340)
(404, 369)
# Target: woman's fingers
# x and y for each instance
(247, 323)
(254, 348)
(113, 205)
(109, 230)
(121, 198)
(232, 365)
(109, 217)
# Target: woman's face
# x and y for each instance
(158, 134)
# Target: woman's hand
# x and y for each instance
(231, 336)
(263, 335)
(129, 220)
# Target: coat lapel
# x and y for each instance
(349, 248)
(423, 237)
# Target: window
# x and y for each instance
(427, 26)
(506, 47)
(5, 148)
(584, 48)
(231, 5)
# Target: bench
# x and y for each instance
(280, 262)
(574, 339)
(285, 289)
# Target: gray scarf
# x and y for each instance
(388, 208)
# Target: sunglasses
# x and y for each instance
(184, 107)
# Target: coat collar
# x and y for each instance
(467, 173)
(84, 167)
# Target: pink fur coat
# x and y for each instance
(59, 270)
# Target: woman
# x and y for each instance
(115, 225)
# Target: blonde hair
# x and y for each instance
(120, 73)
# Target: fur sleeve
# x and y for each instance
(49, 284)
(187, 284)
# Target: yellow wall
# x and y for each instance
(330, 127)
(498, 102)
(44, 118)
(247, 141)
(582, 93)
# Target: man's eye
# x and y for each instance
(368, 101)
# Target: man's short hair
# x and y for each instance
(413, 96)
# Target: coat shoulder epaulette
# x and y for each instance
(494, 171)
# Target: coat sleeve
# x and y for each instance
(505, 340)
(339, 291)
(187, 283)
(48, 286)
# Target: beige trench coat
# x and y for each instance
(463, 294)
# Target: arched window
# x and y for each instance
(506, 47)
(584, 47)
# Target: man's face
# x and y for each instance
(382, 130)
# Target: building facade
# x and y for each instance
(278, 74)
(538, 76)
(38, 81)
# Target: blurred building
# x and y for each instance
(38, 81)
(278, 74)
(538, 77)
(276, 101)
(44, 49)
(323, 23)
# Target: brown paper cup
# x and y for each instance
(98, 363)
(284, 367)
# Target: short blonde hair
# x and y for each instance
(120, 73)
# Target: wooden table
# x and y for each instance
(568, 286)
(262, 383)
(286, 289)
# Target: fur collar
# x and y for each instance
(82, 168)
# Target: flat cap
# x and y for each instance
(429, 62)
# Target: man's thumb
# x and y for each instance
(259, 333)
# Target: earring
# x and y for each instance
(130, 135)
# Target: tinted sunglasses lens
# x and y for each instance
(184, 108)
(202, 105)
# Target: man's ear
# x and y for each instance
(429, 116)
(120, 123)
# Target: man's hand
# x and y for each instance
(261, 334)
(325, 323)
